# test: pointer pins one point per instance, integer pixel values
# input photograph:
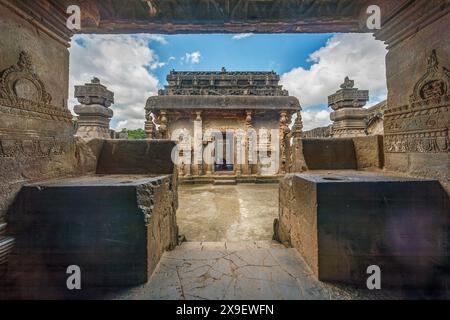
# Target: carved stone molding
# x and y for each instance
(220, 83)
(434, 83)
(23, 93)
(422, 126)
(48, 16)
(35, 147)
(408, 18)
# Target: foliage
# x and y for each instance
(137, 134)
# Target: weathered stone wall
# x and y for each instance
(417, 138)
(296, 226)
(321, 132)
(160, 203)
(369, 152)
(357, 153)
(340, 222)
(35, 134)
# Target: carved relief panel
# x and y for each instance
(23, 93)
(422, 126)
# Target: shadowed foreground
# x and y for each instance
(246, 270)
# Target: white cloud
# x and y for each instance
(240, 36)
(121, 62)
(313, 119)
(192, 58)
(358, 56)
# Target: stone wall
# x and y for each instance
(369, 152)
(417, 127)
(160, 203)
(320, 132)
(36, 133)
(357, 153)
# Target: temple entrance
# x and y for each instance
(224, 153)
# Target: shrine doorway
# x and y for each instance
(224, 153)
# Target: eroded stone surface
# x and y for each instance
(248, 270)
(115, 227)
(341, 222)
(231, 213)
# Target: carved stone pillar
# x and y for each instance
(283, 130)
(249, 154)
(349, 116)
(197, 167)
(94, 114)
(239, 158)
(417, 119)
(163, 125)
(150, 128)
(297, 160)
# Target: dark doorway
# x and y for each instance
(224, 155)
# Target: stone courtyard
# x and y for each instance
(245, 270)
(243, 212)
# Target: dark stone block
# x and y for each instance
(136, 157)
(329, 154)
(100, 223)
(363, 219)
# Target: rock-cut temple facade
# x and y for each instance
(234, 123)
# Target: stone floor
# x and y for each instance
(245, 270)
(227, 213)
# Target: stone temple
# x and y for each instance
(336, 206)
(234, 112)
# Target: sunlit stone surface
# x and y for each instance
(240, 270)
(227, 213)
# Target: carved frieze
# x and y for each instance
(422, 126)
(23, 93)
(254, 83)
(35, 147)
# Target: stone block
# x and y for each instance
(342, 223)
(369, 151)
(115, 228)
(329, 154)
(136, 157)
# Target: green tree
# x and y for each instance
(137, 134)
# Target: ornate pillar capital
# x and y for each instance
(93, 112)
(349, 116)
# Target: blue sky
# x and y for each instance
(279, 52)
(311, 66)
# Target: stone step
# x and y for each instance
(2, 229)
(225, 182)
(229, 245)
(224, 177)
(6, 245)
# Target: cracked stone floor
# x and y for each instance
(245, 270)
(242, 212)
